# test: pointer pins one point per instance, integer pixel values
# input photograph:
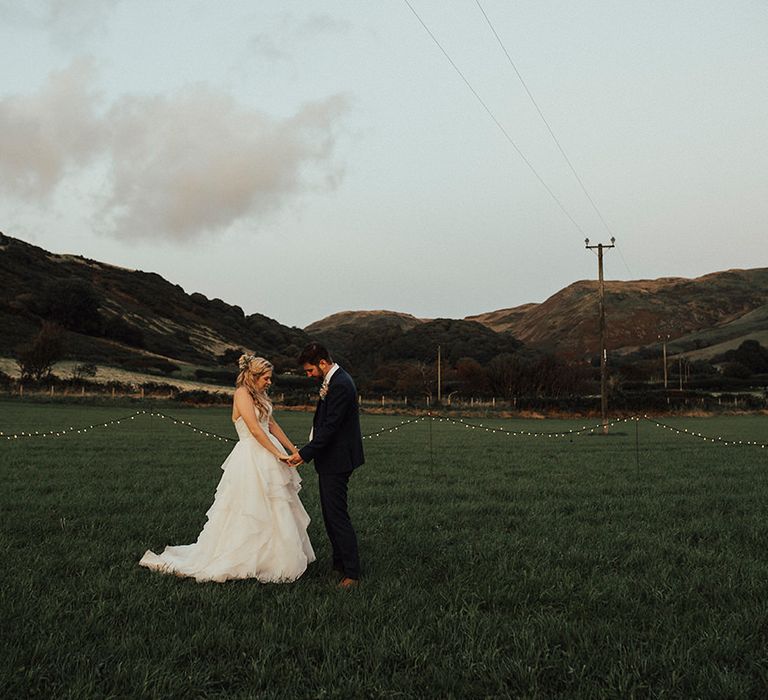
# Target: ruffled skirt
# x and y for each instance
(256, 527)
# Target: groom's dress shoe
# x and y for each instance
(348, 583)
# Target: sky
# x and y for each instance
(302, 158)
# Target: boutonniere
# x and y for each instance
(323, 391)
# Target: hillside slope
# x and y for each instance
(126, 317)
(637, 312)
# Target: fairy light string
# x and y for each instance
(572, 432)
(706, 438)
(107, 424)
(458, 422)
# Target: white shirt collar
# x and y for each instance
(328, 376)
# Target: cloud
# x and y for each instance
(322, 23)
(72, 22)
(179, 166)
(45, 134)
(68, 22)
(287, 30)
(199, 161)
(264, 46)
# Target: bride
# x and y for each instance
(257, 526)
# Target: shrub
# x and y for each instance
(117, 328)
(36, 360)
(73, 304)
(83, 370)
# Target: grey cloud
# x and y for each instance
(178, 166)
(69, 22)
(323, 24)
(265, 46)
(288, 29)
(44, 134)
(197, 162)
(181, 166)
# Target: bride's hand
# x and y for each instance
(283, 457)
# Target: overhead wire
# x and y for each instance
(551, 131)
(544, 119)
(495, 119)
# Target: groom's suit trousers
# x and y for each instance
(333, 501)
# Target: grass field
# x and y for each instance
(494, 566)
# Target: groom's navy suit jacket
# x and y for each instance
(337, 444)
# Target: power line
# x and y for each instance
(495, 120)
(543, 118)
(621, 255)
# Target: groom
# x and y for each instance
(336, 445)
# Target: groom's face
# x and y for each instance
(313, 370)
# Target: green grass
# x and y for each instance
(494, 566)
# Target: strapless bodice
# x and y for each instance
(244, 433)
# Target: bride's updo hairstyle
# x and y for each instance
(251, 368)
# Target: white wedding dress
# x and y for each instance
(257, 526)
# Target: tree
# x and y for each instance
(472, 375)
(507, 375)
(751, 355)
(736, 370)
(73, 304)
(83, 371)
(416, 379)
(119, 329)
(230, 356)
(36, 360)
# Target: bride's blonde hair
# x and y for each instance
(251, 368)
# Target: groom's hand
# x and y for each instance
(295, 460)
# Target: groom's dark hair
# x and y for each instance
(313, 353)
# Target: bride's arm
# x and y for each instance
(277, 431)
(244, 405)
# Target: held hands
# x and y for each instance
(295, 460)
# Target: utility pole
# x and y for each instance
(439, 377)
(664, 340)
(603, 354)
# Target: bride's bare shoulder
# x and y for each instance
(239, 402)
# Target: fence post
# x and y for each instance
(637, 444)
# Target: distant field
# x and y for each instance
(184, 381)
(494, 566)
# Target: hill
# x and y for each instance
(139, 322)
(365, 340)
(720, 307)
(128, 318)
(343, 331)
